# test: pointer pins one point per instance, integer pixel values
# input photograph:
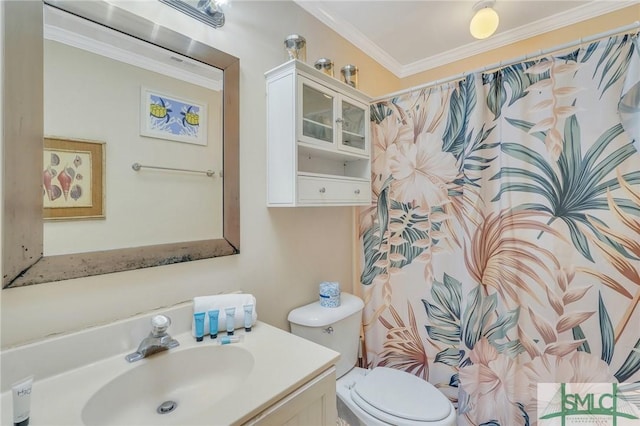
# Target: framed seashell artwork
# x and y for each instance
(73, 181)
(169, 117)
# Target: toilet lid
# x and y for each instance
(387, 393)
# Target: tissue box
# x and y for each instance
(330, 294)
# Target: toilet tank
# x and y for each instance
(336, 328)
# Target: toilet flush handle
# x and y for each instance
(328, 330)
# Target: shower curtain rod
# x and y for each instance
(502, 64)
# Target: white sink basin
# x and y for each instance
(187, 381)
(86, 381)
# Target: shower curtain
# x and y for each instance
(502, 246)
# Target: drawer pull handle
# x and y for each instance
(357, 191)
(323, 190)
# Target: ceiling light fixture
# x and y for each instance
(485, 20)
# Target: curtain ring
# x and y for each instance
(499, 73)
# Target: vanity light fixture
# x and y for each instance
(208, 11)
(485, 20)
(213, 9)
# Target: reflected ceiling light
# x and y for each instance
(485, 20)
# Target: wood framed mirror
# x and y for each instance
(23, 262)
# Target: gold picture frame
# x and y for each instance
(73, 180)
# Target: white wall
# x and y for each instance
(285, 253)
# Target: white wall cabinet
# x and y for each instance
(318, 139)
(313, 404)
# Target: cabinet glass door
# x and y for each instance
(353, 127)
(317, 114)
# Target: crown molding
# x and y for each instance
(551, 23)
(353, 35)
(71, 38)
(554, 22)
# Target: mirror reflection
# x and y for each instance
(144, 105)
(170, 114)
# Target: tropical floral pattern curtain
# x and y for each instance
(502, 246)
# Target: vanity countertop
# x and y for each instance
(282, 363)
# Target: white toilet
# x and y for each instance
(382, 396)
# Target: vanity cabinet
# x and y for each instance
(318, 139)
(314, 403)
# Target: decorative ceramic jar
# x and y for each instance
(296, 47)
(350, 75)
(325, 65)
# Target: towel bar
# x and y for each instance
(138, 166)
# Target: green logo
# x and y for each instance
(585, 404)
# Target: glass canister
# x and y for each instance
(296, 47)
(325, 65)
(350, 75)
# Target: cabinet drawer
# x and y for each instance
(313, 190)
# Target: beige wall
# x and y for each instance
(285, 252)
(548, 40)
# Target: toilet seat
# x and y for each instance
(392, 396)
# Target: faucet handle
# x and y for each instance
(159, 324)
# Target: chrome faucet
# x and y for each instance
(158, 340)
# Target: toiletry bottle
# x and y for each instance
(248, 316)
(199, 321)
(231, 319)
(225, 340)
(213, 323)
(22, 401)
